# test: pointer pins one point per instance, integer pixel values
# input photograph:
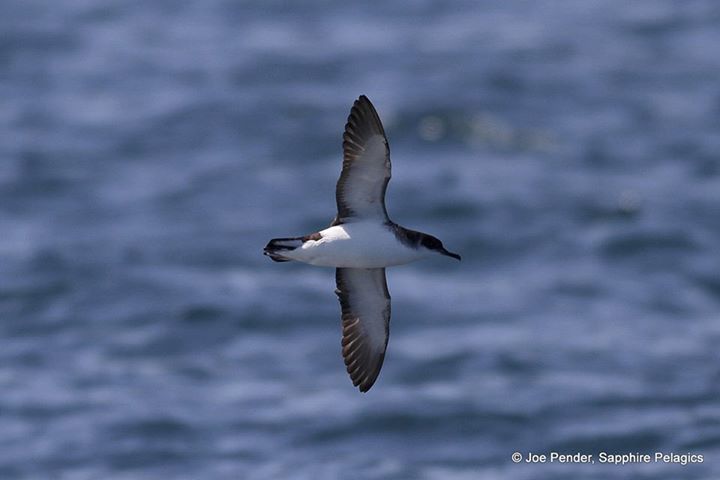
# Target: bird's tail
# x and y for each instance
(275, 248)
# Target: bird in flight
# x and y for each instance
(360, 242)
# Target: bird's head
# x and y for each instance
(435, 245)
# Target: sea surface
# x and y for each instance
(570, 151)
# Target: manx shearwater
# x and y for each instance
(360, 242)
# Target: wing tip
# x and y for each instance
(362, 106)
(360, 365)
(369, 380)
(367, 383)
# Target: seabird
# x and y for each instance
(360, 242)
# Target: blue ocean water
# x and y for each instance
(148, 151)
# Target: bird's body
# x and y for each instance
(360, 242)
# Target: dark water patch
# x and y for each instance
(455, 211)
(39, 289)
(707, 166)
(701, 443)
(641, 243)
(507, 81)
(665, 401)
(21, 45)
(447, 367)
(204, 314)
(710, 282)
(581, 288)
(399, 424)
(11, 471)
(36, 412)
(180, 131)
(628, 206)
(144, 458)
(656, 28)
(167, 428)
(162, 338)
(516, 365)
(260, 317)
(195, 372)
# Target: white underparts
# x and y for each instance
(357, 245)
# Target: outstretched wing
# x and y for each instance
(360, 190)
(365, 303)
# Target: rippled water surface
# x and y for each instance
(148, 150)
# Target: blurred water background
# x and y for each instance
(148, 150)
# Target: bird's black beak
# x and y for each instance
(450, 254)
